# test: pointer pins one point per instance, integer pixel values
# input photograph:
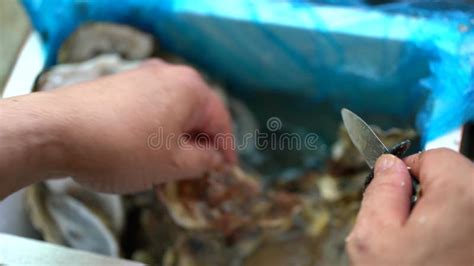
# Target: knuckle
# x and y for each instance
(432, 162)
(187, 72)
(366, 246)
(359, 247)
(444, 151)
(179, 167)
(432, 156)
(192, 83)
(175, 162)
(385, 186)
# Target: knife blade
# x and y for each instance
(363, 137)
(371, 148)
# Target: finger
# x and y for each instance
(208, 114)
(435, 166)
(386, 200)
(217, 123)
(441, 172)
(194, 161)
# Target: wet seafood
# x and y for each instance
(69, 74)
(94, 39)
(227, 203)
(68, 214)
(206, 249)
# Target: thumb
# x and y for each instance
(386, 200)
(196, 161)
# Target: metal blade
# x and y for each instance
(363, 137)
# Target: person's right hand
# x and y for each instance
(440, 228)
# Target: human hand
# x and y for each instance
(440, 228)
(123, 133)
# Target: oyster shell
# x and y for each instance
(66, 214)
(110, 206)
(228, 204)
(93, 39)
(70, 74)
(35, 201)
(298, 250)
(198, 248)
(80, 227)
(245, 126)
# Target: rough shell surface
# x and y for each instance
(227, 204)
(67, 214)
(94, 39)
(70, 74)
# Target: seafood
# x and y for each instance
(70, 74)
(228, 203)
(94, 39)
(68, 214)
(195, 249)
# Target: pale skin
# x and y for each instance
(440, 228)
(98, 133)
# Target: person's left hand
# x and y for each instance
(127, 132)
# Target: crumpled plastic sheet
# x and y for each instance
(405, 60)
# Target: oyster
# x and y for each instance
(66, 214)
(299, 250)
(94, 39)
(227, 203)
(150, 231)
(70, 74)
(245, 126)
(195, 249)
(80, 227)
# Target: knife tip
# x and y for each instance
(344, 110)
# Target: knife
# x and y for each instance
(371, 147)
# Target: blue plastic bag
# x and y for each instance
(400, 60)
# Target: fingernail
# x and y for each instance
(384, 163)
